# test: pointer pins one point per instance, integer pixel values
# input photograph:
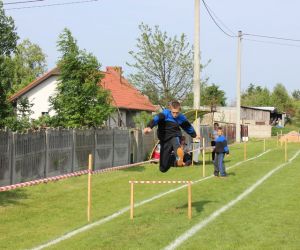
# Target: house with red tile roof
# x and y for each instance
(126, 98)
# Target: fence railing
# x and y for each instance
(51, 152)
(46, 153)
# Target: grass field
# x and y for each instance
(268, 218)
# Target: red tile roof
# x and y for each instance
(123, 93)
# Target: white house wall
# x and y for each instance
(39, 97)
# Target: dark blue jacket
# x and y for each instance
(169, 127)
(221, 145)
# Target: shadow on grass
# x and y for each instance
(199, 205)
(13, 197)
(134, 169)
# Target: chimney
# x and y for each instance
(115, 70)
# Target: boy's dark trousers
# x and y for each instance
(168, 160)
(213, 153)
(219, 164)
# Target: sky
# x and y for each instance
(109, 29)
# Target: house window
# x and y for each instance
(45, 113)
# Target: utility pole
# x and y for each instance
(238, 90)
(196, 77)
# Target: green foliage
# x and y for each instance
(80, 100)
(296, 94)
(281, 99)
(256, 96)
(8, 34)
(21, 120)
(142, 119)
(28, 63)
(213, 96)
(163, 64)
(8, 42)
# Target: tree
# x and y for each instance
(142, 119)
(213, 96)
(80, 100)
(256, 96)
(281, 99)
(8, 42)
(21, 121)
(28, 63)
(296, 94)
(163, 64)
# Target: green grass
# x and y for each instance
(267, 219)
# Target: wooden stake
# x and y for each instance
(277, 139)
(89, 188)
(281, 142)
(203, 156)
(131, 199)
(190, 200)
(245, 150)
(285, 150)
(264, 145)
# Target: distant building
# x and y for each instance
(257, 119)
(126, 98)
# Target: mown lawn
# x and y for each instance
(268, 218)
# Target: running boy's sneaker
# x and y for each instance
(180, 154)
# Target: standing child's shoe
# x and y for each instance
(180, 154)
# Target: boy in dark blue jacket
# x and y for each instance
(169, 122)
(221, 148)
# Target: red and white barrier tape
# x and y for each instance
(160, 182)
(65, 176)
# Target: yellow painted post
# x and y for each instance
(190, 200)
(203, 156)
(245, 150)
(281, 139)
(264, 145)
(131, 199)
(89, 188)
(285, 150)
(277, 139)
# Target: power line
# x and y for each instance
(214, 14)
(22, 2)
(273, 37)
(54, 4)
(268, 42)
(209, 12)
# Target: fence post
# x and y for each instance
(113, 148)
(203, 151)
(13, 157)
(46, 153)
(73, 148)
(10, 156)
(95, 150)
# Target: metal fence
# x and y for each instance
(51, 152)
